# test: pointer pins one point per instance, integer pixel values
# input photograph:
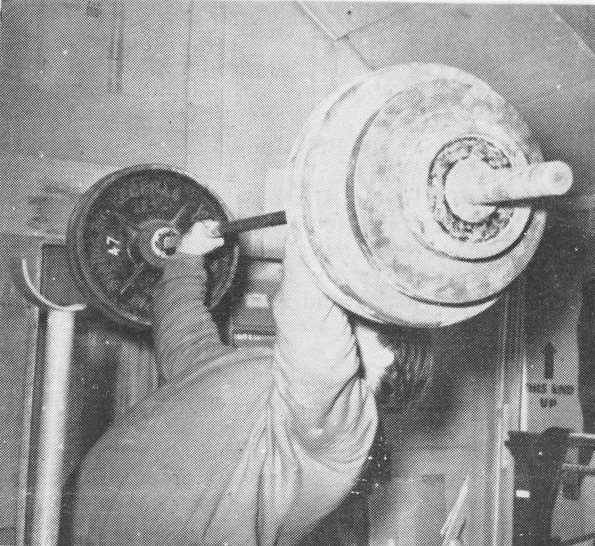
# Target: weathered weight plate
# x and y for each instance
(113, 233)
(399, 200)
(414, 143)
(352, 201)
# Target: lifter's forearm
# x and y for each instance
(315, 353)
(184, 332)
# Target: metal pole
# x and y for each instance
(54, 410)
(583, 470)
(48, 480)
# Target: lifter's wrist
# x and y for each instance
(182, 264)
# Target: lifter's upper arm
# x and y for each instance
(317, 367)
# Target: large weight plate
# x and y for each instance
(107, 229)
(367, 154)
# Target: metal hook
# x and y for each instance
(22, 280)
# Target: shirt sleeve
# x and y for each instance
(323, 413)
(183, 329)
(317, 366)
(250, 452)
(308, 445)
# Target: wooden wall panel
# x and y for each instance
(57, 45)
(350, 64)
(22, 23)
(61, 85)
(13, 353)
(276, 68)
(205, 88)
(155, 49)
(107, 129)
(73, 47)
(581, 19)
(574, 105)
(523, 52)
(23, 178)
(123, 130)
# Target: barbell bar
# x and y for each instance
(234, 227)
(487, 187)
(477, 184)
(415, 198)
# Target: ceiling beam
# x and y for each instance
(581, 19)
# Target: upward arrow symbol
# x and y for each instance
(548, 364)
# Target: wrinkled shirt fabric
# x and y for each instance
(240, 446)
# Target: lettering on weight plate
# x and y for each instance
(113, 246)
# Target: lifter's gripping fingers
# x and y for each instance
(199, 240)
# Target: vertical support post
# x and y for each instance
(54, 412)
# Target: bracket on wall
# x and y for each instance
(538, 470)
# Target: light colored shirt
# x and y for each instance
(240, 446)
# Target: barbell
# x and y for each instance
(411, 196)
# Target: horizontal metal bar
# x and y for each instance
(233, 227)
(577, 540)
(254, 222)
(579, 469)
(578, 439)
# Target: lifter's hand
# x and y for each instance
(198, 240)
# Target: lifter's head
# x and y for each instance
(397, 361)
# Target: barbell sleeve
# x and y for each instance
(479, 184)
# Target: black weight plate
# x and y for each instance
(100, 239)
